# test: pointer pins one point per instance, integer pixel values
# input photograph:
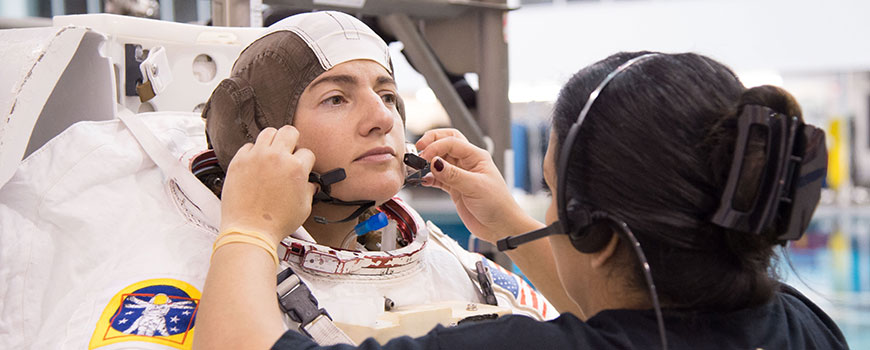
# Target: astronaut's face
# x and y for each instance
(348, 118)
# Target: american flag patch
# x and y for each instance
(503, 278)
(523, 293)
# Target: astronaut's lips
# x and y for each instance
(377, 154)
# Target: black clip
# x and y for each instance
(789, 184)
(324, 194)
(485, 281)
(325, 182)
(296, 299)
(418, 163)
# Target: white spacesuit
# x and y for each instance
(106, 235)
(89, 224)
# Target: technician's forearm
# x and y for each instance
(239, 309)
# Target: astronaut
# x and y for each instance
(110, 209)
(330, 76)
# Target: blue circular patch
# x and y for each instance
(159, 310)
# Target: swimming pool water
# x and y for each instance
(832, 267)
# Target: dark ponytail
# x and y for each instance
(655, 151)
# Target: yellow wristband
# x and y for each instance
(253, 238)
(252, 234)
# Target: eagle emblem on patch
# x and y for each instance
(160, 311)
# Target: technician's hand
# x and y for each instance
(267, 188)
(475, 185)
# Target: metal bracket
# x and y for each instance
(155, 68)
(133, 57)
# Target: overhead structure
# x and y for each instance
(442, 39)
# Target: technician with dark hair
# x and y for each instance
(673, 186)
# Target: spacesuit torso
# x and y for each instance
(100, 249)
(429, 279)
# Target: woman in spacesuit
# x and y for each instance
(324, 81)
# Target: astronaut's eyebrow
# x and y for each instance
(385, 80)
(341, 79)
(349, 80)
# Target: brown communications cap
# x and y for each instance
(272, 72)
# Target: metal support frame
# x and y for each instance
(493, 104)
(231, 13)
(428, 65)
(419, 9)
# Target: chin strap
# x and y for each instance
(323, 194)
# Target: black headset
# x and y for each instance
(786, 192)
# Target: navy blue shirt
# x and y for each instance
(788, 321)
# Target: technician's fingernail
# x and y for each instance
(439, 165)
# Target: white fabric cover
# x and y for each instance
(336, 38)
(89, 219)
(85, 216)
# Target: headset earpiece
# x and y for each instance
(594, 235)
(584, 228)
(592, 239)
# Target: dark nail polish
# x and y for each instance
(439, 165)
